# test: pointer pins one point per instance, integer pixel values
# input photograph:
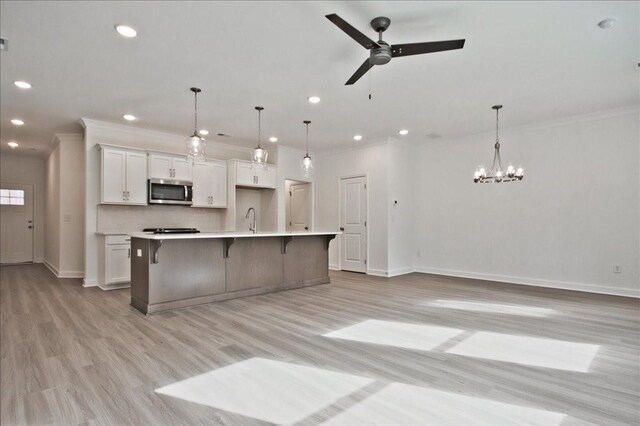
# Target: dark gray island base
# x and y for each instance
(177, 271)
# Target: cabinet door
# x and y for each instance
(160, 166)
(113, 175)
(201, 185)
(266, 177)
(118, 267)
(218, 184)
(136, 178)
(245, 174)
(182, 169)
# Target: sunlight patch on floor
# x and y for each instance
(493, 308)
(398, 334)
(533, 351)
(401, 404)
(272, 391)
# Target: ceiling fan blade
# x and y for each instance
(428, 47)
(366, 66)
(365, 41)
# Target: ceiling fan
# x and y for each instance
(381, 52)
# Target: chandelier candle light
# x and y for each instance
(307, 165)
(196, 144)
(497, 174)
(259, 156)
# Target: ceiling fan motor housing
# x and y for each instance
(381, 55)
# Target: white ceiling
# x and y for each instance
(542, 60)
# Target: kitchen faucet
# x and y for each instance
(254, 227)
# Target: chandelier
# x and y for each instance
(307, 165)
(497, 173)
(196, 144)
(259, 155)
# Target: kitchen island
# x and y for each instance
(181, 270)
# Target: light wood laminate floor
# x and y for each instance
(413, 349)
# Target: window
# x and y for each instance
(11, 197)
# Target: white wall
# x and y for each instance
(97, 132)
(71, 205)
(372, 161)
(52, 222)
(403, 219)
(29, 170)
(565, 225)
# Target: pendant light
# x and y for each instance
(196, 144)
(307, 165)
(259, 156)
(497, 174)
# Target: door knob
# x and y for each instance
(342, 228)
(30, 227)
(306, 228)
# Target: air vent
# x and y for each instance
(224, 135)
(4, 44)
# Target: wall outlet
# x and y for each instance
(617, 269)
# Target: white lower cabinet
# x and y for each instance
(210, 184)
(117, 261)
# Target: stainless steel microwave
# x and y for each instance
(165, 191)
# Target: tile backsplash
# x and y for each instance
(136, 218)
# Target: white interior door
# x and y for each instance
(16, 223)
(299, 207)
(353, 224)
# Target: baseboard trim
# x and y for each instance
(50, 267)
(377, 272)
(562, 285)
(401, 271)
(334, 267)
(90, 283)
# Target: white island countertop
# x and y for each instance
(152, 236)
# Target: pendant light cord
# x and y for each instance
(307, 138)
(195, 128)
(259, 126)
(497, 129)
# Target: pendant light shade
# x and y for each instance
(307, 164)
(497, 174)
(196, 144)
(259, 155)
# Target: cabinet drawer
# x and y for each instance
(118, 239)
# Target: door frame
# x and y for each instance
(366, 182)
(312, 219)
(33, 219)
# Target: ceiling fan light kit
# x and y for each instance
(381, 52)
(196, 144)
(497, 174)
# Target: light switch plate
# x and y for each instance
(139, 252)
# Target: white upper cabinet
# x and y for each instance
(123, 176)
(165, 166)
(210, 184)
(257, 177)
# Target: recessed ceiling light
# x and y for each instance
(605, 24)
(273, 139)
(129, 117)
(17, 122)
(204, 132)
(22, 84)
(126, 31)
(13, 145)
(357, 137)
(403, 132)
(314, 99)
